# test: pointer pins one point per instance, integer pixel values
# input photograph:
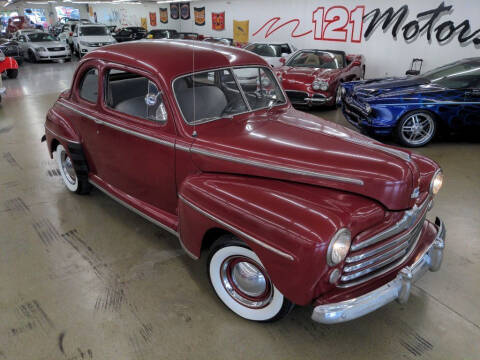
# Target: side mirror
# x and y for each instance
(283, 60)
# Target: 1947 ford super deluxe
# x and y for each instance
(201, 140)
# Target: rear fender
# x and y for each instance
(287, 225)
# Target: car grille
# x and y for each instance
(384, 251)
(297, 97)
(56, 49)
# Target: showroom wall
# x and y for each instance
(318, 24)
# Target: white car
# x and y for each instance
(272, 53)
(43, 46)
(88, 37)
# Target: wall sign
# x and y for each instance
(163, 15)
(185, 11)
(199, 14)
(174, 11)
(218, 21)
(339, 23)
(153, 18)
(240, 31)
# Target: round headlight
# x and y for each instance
(339, 247)
(320, 85)
(437, 182)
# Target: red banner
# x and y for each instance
(153, 19)
(218, 21)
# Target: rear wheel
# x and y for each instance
(416, 128)
(242, 283)
(12, 73)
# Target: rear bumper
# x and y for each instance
(397, 289)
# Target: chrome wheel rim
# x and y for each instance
(418, 128)
(68, 169)
(246, 282)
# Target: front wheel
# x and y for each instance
(12, 73)
(416, 129)
(69, 175)
(242, 283)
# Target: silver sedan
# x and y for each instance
(43, 46)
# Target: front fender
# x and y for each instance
(287, 225)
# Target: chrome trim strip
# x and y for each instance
(408, 219)
(235, 230)
(401, 154)
(61, 137)
(383, 256)
(277, 167)
(119, 128)
(181, 147)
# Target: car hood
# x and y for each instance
(393, 86)
(295, 146)
(47, 44)
(101, 38)
(307, 74)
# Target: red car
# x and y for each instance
(288, 208)
(314, 77)
(16, 23)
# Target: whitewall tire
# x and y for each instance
(65, 165)
(242, 283)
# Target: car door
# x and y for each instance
(136, 139)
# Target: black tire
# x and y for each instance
(12, 73)
(274, 306)
(416, 128)
(31, 57)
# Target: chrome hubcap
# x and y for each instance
(418, 128)
(246, 282)
(68, 169)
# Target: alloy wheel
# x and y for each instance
(417, 129)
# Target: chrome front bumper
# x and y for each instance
(397, 289)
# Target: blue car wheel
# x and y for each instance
(416, 128)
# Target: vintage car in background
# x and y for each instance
(415, 108)
(162, 34)
(219, 40)
(291, 209)
(43, 46)
(314, 77)
(130, 33)
(89, 37)
(8, 66)
(16, 23)
(274, 54)
(11, 48)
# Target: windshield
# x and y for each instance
(39, 37)
(93, 31)
(267, 50)
(317, 59)
(215, 94)
(456, 76)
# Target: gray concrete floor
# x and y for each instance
(84, 278)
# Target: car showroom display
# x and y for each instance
(415, 108)
(88, 37)
(274, 54)
(293, 209)
(43, 46)
(130, 33)
(11, 48)
(314, 77)
(8, 66)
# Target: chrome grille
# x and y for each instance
(56, 49)
(378, 257)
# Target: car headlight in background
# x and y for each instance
(40, 49)
(437, 182)
(343, 91)
(84, 43)
(368, 108)
(339, 247)
(320, 85)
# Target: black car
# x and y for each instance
(11, 48)
(187, 36)
(162, 34)
(130, 33)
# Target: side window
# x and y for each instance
(134, 95)
(89, 85)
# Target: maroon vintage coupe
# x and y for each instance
(290, 208)
(314, 77)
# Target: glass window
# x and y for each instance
(208, 96)
(40, 37)
(260, 87)
(317, 59)
(267, 50)
(93, 30)
(89, 86)
(463, 75)
(134, 95)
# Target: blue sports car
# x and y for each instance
(415, 108)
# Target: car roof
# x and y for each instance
(324, 50)
(149, 55)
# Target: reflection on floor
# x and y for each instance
(84, 278)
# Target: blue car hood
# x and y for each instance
(393, 87)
